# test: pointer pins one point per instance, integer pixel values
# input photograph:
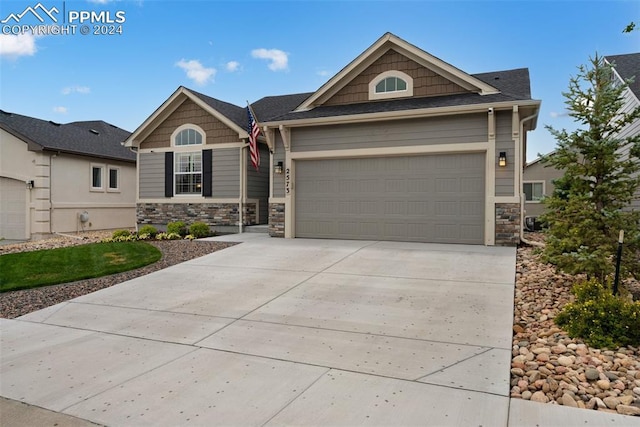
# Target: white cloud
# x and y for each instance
(196, 71)
(60, 110)
(279, 59)
(17, 45)
(555, 114)
(322, 73)
(76, 89)
(232, 66)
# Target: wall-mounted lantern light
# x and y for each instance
(278, 168)
(30, 184)
(502, 159)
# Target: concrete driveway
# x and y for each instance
(280, 332)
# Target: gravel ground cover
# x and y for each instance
(550, 367)
(18, 303)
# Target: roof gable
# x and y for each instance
(628, 67)
(232, 116)
(88, 138)
(382, 46)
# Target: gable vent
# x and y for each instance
(93, 131)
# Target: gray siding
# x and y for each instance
(278, 156)
(151, 167)
(538, 172)
(226, 173)
(430, 131)
(258, 183)
(504, 142)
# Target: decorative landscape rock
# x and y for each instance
(565, 371)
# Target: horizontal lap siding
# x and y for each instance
(226, 173)
(440, 130)
(151, 171)
(278, 179)
(504, 142)
(258, 183)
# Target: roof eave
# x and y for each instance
(405, 114)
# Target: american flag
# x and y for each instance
(254, 131)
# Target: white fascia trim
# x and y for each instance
(403, 114)
(191, 148)
(469, 147)
(189, 199)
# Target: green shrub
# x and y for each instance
(168, 236)
(600, 318)
(120, 233)
(177, 227)
(148, 229)
(199, 230)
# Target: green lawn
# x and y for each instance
(49, 267)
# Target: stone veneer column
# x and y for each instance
(212, 214)
(276, 219)
(507, 224)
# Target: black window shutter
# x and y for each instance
(207, 173)
(168, 174)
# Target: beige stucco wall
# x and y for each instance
(538, 172)
(71, 195)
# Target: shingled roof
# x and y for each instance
(628, 66)
(514, 85)
(237, 115)
(88, 138)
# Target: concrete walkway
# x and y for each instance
(283, 332)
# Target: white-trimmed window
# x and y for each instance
(391, 84)
(97, 177)
(113, 178)
(188, 173)
(533, 191)
(188, 134)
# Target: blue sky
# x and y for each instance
(240, 50)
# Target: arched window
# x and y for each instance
(188, 136)
(391, 84)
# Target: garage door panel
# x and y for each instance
(436, 198)
(13, 208)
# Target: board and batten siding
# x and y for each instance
(151, 175)
(466, 128)
(258, 183)
(504, 142)
(226, 173)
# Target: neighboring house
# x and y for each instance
(627, 67)
(399, 145)
(62, 178)
(538, 183)
(193, 165)
(538, 178)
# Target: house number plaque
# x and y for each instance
(287, 181)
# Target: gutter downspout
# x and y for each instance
(522, 197)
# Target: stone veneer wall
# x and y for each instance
(507, 224)
(276, 219)
(213, 214)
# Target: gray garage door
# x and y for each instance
(13, 205)
(435, 198)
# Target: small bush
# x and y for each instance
(177, 227)
(600, 318)
(148, 229)
(120, 233)
(199, 230)
(144, 236)
(168, 236)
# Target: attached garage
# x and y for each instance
(13, 205)
(420, 198)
